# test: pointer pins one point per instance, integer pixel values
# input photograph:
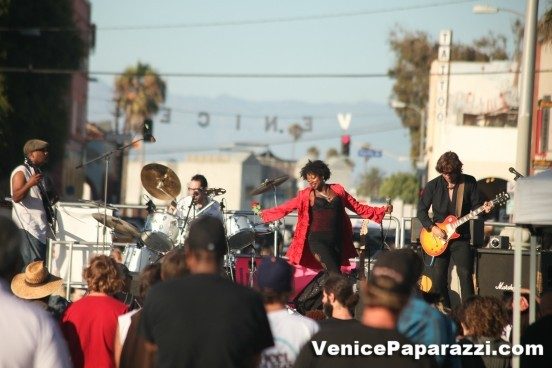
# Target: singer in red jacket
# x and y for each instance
(324, 236)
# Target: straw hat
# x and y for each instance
(35, 283)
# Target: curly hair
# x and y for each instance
(150, 276)
(174, 265)
(318, 168)
(103, 275)
(449, 163)
(483, 316)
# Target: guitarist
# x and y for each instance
(31, 210)
(442, 195)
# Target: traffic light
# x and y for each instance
(147, 131)
(345, 144)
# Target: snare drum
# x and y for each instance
(136, 259)
(239, 231)
(160, 231)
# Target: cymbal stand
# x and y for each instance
(277, 227)
(107, 156)
(229, 255)
(252, 270)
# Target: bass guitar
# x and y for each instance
(47, 193)
(435, 246)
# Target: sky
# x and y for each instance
(277, 37)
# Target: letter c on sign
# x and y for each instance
(203, 119)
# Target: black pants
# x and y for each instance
(326, 251)
(462, 254)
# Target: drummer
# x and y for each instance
(197, 203)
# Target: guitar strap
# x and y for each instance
(459, 199)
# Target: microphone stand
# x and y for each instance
(107, 156)
(229, 255)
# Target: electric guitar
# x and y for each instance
(435, 246)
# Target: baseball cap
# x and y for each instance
(274, 274)
(403, 266)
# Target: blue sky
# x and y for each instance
(342, 44)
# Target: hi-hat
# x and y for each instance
(269, 184)
(160, 181)
(120, 226)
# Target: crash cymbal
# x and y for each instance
(160, 181)
(120, 226)
(269, 184)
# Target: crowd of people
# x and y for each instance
(188, 314)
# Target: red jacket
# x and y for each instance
(299, 251)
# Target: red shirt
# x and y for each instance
(89, 326)
(298, 253)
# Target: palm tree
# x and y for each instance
(139, 93)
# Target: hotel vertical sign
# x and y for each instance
(445, 40)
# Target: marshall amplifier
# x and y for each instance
(495, 271)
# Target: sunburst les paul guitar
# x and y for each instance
(435, 246)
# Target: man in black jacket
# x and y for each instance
(441, 195)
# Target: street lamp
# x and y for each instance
(486, 9)
(402, 105)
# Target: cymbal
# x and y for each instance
(120, 226)
(160, 181)
(269, 184)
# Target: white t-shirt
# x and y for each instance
(290, 332)
(30, 336)
(29, 213)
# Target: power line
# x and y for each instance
(242, 22)
(31, 70)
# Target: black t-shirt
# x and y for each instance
(538, 333)
(352, 333)
(205, 321)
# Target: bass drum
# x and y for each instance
(137, 258)
(239, 232)
(160, 231)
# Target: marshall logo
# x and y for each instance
(503, 286)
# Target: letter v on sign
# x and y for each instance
(344, 120)
(318, 347)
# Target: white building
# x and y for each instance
(472, 111)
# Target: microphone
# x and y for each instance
(150, 139)
(517, 174)
(388, 201)
(150, 205)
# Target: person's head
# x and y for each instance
(35, 283)
(174, 265)
(150, 275)
(10, 242)
(36, 150)
(404, 265)
(275, 280)
(205, 245)
(338, 293)
(450, 166)
(126, 276)
(315, 173)
(483, 316)
(392, 280)
(197, 187)
(103, 275)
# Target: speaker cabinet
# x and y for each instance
(495, 271)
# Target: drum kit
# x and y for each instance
(164, 230)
